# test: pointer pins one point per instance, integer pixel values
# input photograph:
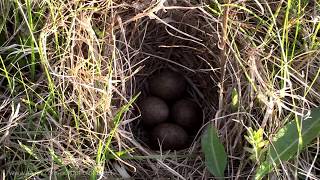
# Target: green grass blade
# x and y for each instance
(4, 72)
(104, 149)
(4, 13)
(30, 21)
(118, 118)
(28, 150)
(59, 161)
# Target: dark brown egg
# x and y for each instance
(187, 114)
(153, 111)
(170, 136)
(168, 85)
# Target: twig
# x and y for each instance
(223, 57)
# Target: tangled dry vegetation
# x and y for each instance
(78, 117)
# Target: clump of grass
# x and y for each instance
(70, 72)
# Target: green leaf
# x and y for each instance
(215, 155)
(286, 142)
(248, 139)
(234, 99)
(262, 144)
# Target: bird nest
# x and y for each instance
(183, 39)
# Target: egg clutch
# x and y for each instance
(168, 114)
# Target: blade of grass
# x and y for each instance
(104, 149)
(31, 30)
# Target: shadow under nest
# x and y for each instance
(185, 42)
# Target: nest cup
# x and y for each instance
(165, 49)
(183, 41)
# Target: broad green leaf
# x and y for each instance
(215, 155)
(286, 142)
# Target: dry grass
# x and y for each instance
(77, 118)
